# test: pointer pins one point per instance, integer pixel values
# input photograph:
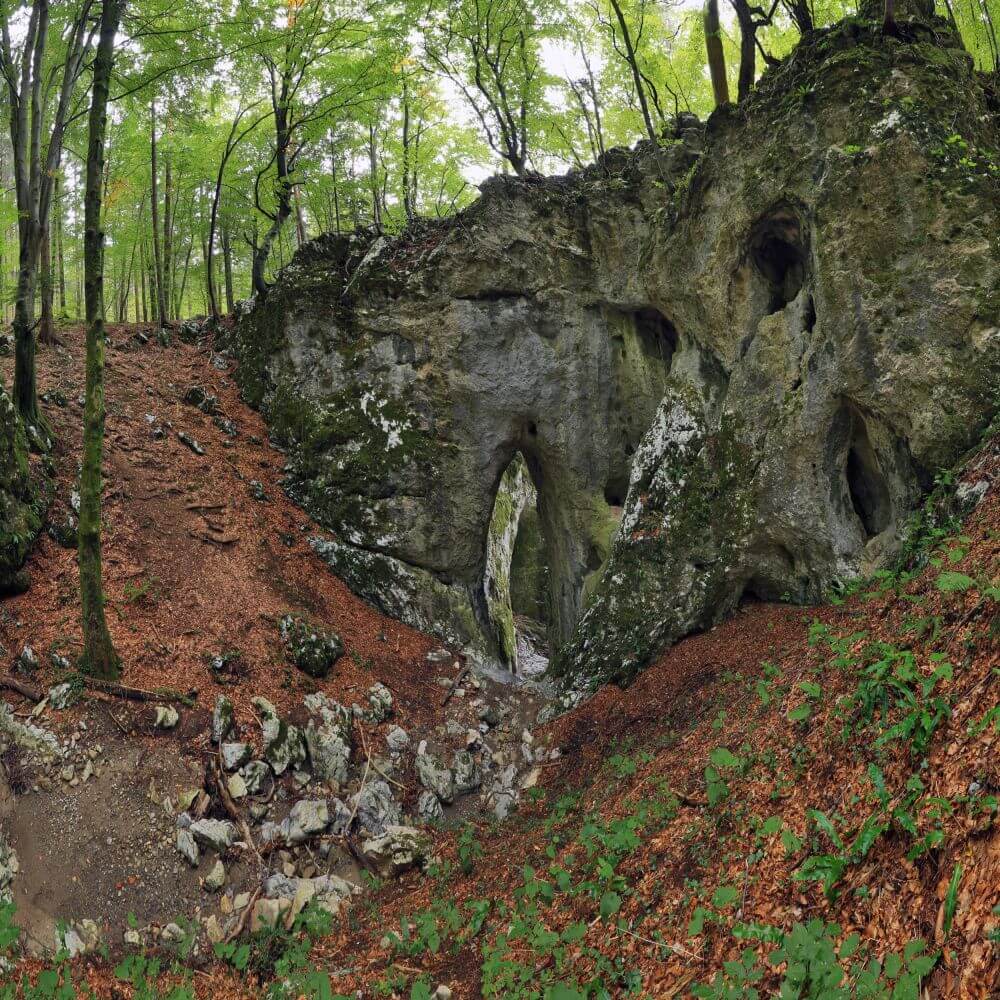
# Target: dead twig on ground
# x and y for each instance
(460, 676)
(240, 926)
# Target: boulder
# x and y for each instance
(397, 850)
(313, 650)
(380, 702)
(429, 807)
(166, 717)
(267, 913)
(217, 834)
(397, 740)
(307, 818)
(216, 878)
(235, 755)
(222, 719)
(376, 807)
(284, 744)
(256, 775)
(187, 848)
(435, 777)
(329, 751)
(466, 773)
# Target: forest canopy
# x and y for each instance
(237, 130)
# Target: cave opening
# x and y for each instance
(517, 579)
(866, 484)
(778, 253)
(657, 336)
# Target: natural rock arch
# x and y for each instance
(729, 341)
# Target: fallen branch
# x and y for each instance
(102, 687)
(214, 776)
(141, 694)
(688, 800)
(454, 684)
(241, 924)
(21, 687)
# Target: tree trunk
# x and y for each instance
(336, 194)
(227, 267)
(168, 238)
(748, 48)
(409, 202)
(25, 383)
(373, 179)
(60, 250)
(99, 657)
(633, 65)
(716, 54)
(140, 279)
(161, 305)
(46, 324)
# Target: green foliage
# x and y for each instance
(817, 968)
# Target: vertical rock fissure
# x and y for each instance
(866, 485)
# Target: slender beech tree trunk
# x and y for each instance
(140, 290)
(168, 238)
(60, 252)
(227, 267)
(409, 201)
(161, 305)
(46, 324)
(715, 52)
(99, 657)
(633, 64)
(373, 179)
(336, 194)
(748, 48)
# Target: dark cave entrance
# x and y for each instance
(866, 484)
(657, 336)
(777, 248)
(517, 581)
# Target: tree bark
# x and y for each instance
(283, 194)
(748, 48)
(99, 658)
(60, 251)
(168, 238)
(46, 323)
(161, 305)
(227, 267)
(715, 52)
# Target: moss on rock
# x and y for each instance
(22, 501)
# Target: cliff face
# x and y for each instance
(20, 505)
(755, 347)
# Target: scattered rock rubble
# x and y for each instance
(299, 809)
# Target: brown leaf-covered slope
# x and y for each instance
(195, 565)
(899, 812)
(643, 752)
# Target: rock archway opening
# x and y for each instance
(516, 581)
(866, 484)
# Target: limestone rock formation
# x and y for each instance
(754, 345)
(21, 507)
